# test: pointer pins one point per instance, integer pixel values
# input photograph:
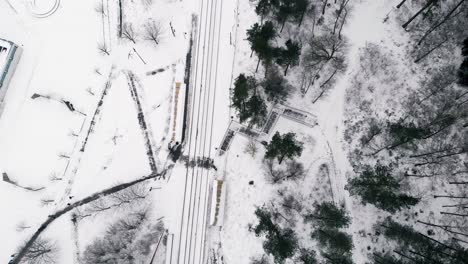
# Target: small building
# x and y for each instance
(10, 54)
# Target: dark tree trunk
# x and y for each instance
(447, 17)
(428, 4)
(121, 19)
(342, 24)
(430, 51)
(450, 196)
(301, 19)
(282, 25)
(455, 214)
(401, 3)
(324, 7)
(403, 255)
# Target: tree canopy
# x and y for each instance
(421, 247)
(276, 86)
(289, 56)
(283, 146)
(378, 187)
(334, 240)
(280, 242)
(259, 37)
(244, 87)
(327, 214)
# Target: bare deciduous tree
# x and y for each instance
(125, 197)
(103, 48)
(153, 31)
(46, 201)
(294, 170)
(129, 33)
(42, 251)
(22, 226)
(100, 9)
(251, 148)
(53, 177)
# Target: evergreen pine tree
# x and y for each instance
(289, 56)
(244, 86)
(259, 38)
(328, 215)
(276, 87)
(257, 108)
(281, 245)
(334, 241)
(265, 7)
(283, 146)
(403, 133)
(378, 187)
(307, 256)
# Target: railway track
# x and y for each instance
(190, 241)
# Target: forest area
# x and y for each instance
(406, 120)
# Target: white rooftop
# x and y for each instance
(4, 50)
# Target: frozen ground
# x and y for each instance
(74, 154)
(41, 141)
(364, 25)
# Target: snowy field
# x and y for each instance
(70, 155)
(98, 98)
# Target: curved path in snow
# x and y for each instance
(43, 11)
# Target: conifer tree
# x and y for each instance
(289, 56)
(283, 146)
(244, 87)
(377, 186)
(259, 37)
(327, 214)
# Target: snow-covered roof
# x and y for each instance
(5, 47)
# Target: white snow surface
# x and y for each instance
(40, 138)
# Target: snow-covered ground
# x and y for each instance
(128, 108)
(74, 154)
(365, 24)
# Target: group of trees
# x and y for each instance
(415, 247)
(281, 147)
(152, 31)
(261, 38)
(127, 240)
(247, 100)
(280, 242)
(435, 25)
(42, 251)
(248, 95)
(416, 148)
(283, 11)
(321, 62)
(329, 221)
(376, 185)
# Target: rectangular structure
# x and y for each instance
(217, 203)
(9, 57)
